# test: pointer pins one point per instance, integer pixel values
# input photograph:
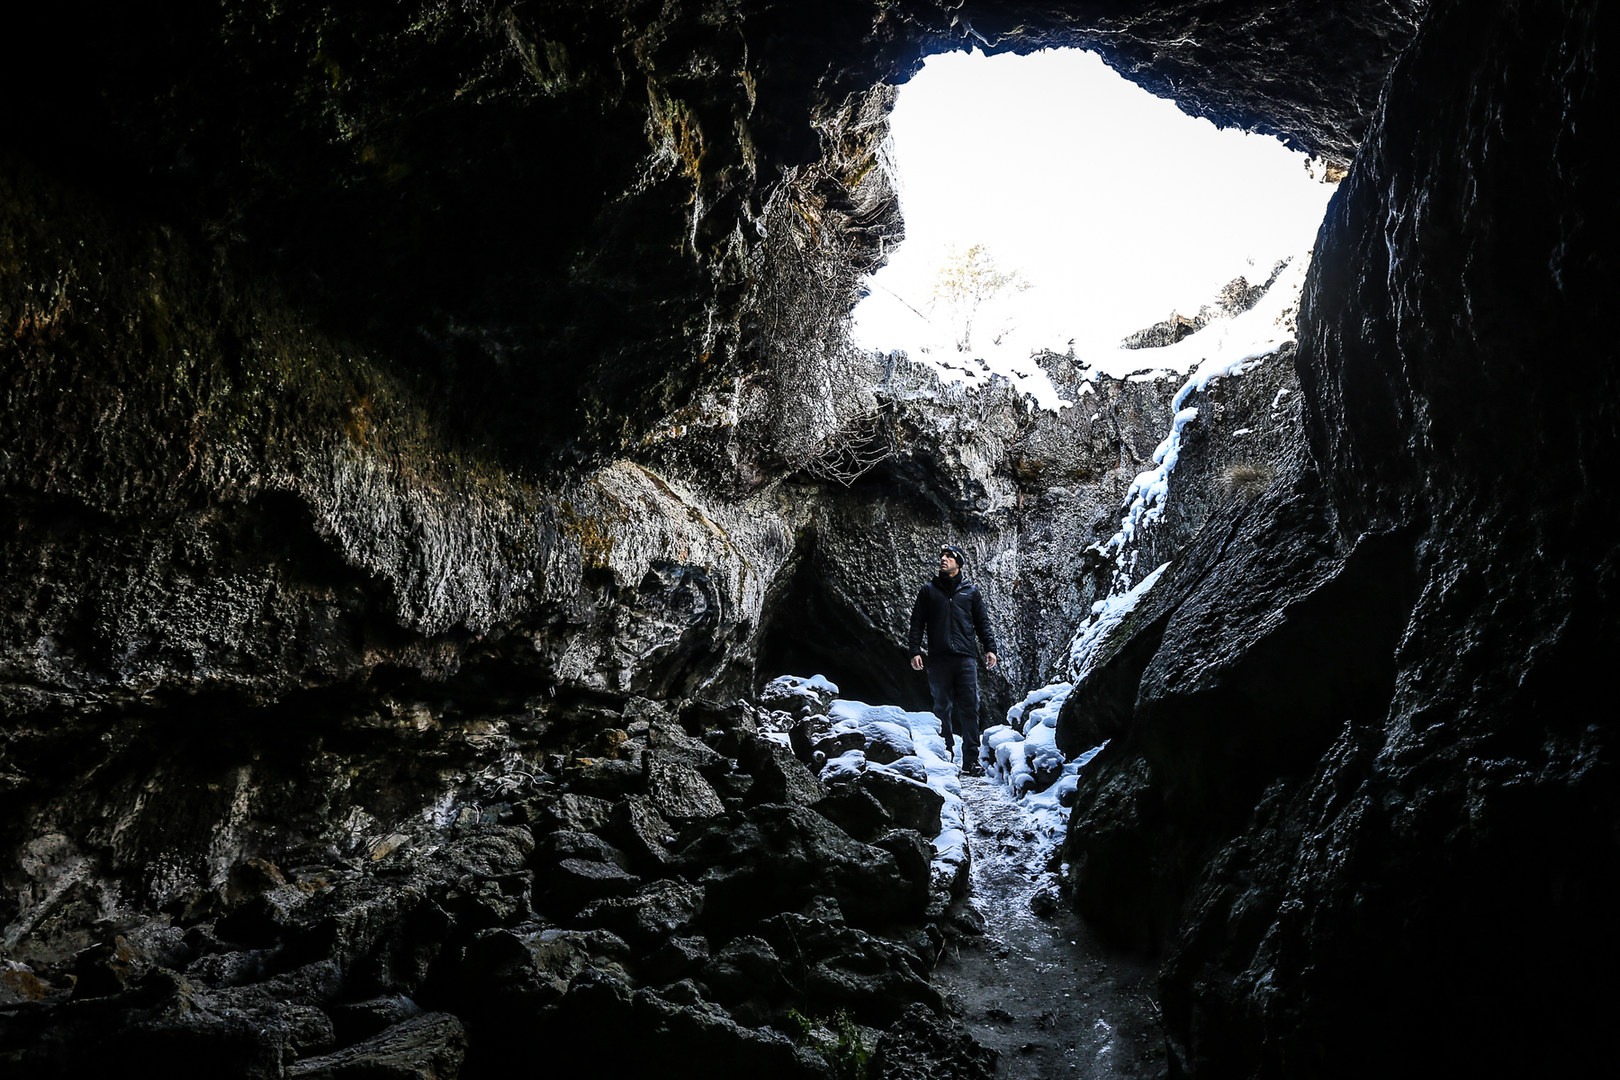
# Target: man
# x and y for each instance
(950, 609)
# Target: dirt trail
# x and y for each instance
(1040, 990)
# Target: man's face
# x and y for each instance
(948, 565)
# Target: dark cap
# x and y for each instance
(954, 552)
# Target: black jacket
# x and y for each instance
(953, 614)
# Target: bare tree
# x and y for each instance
(966, 281)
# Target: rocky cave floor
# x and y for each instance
(712, 894)
(1036, 986)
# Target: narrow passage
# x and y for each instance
(1039, 989)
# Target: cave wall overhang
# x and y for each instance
(557, 222)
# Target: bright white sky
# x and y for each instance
(1118, 207)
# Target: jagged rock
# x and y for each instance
(508, 973)
(672, 1038)
(607, 778)
(845, 968)
(261, 919)
(354, 1021)
(649, 916)
(233, 967)
(927, 1046)
(572, 883)
(243, 1031)
(425, 1047)
(779, 776)
(668, 742)
(677, 958)
(568, 844)
(643, 833)
(487, 876)
(746, 968)
(729, 728)
(796, 697)
(856, 811)
(316, 543)
(910, 804)
(680, 793)
(578, 813)
(19, 983)
(779, 856)
(815, 739)
(913, 852)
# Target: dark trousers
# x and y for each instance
(953, 680)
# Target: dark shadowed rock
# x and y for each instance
(845, 968)
(427, 1047)
(568, 844)
(856, 811)
(567, 885)
(355, 498)
(911, 805)
(649, 916)
(579, 813)
(667, 741)
(680, 793)
(643, 833)
(607, 778)
(746, 968)
(780, 777)
(913, 853)
(926, 1046)
(780, 856)
(671, 1038)
(354, 1021)
(677, 958)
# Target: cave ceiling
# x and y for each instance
(554, 220)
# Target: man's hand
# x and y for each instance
(916, 662)
(989, 659)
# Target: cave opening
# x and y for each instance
(818, 632)
(1107, 209)
(1080, 207)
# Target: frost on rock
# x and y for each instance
(854, 738)
(1105, 615)
(1222, 349)
(798, 696)
(1022, 756)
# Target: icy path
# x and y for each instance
(1040, 990)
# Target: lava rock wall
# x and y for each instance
(391, 395)
(1359, 800)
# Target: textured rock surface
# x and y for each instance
(397, 403)
(1353, 741)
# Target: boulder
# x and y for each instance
(649, 1034)
(643, 833)
(427, 1047)
(581, 813)
(668, 741)
(680, 793)
(779, 856)
(571, 844)
(649, 916)
(677, 958)
(779, 776)
(747, 967)
(606, 778)
(910, 804)
(566, 886)
(843, 968)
